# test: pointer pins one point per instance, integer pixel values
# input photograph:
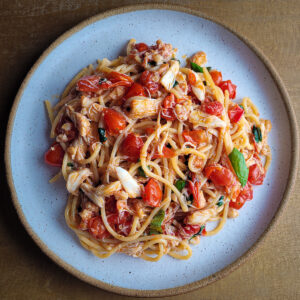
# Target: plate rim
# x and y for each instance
(229, 268)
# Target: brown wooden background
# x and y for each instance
(27, 28)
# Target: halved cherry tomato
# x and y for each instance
(195, 188)
(97, 229)
(228, 85)
(235, 113)
(192, 78)
(168, 105)
(169, 101)
(216, 76)
(141, 47)
(245, 194)
(132, 146)
(149, 130)
(120, 222)
(55, 155)
(256, 173)
(117, 77)
(189, 230)
(135, 90)
(147, 82)
(89, 83)
(152, 193)
(195, 137)
(212, 107)
(114, 121)
(166, 153)
(219, 175)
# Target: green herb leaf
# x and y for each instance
(220, 201)
(241, 106)
(208, 69)
(155, 225)
(180, 184)
(69, 164)
(152, 63)
(142, 172)
(199, 232)
(257, 134)
(101, 80)
(102, 136)
(175, 83)
(239, 165)
(196, 67)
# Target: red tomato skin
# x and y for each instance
(132, 146)
(119, 77)
(89, 83)
(166, 153)
(55, 155)
(191, 229)
(152, 193)
(216, 76)
(114, 121)
(212, 107)
(235, 113)
(195, 137)
(120, 222)
(97, 229)
(219, 175)
(228, 85)
(147, 82)
(194, 188)
(135, 90)
(141, 47)
(256, 176)
(245, 194)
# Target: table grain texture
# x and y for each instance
(27, 28)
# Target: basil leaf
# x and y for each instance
(199, 232)
(239, 165)
(152, 63)
(175, 83)
(142, 172)
(257, 134)
(208, 69)
(241, 106)
(69, 164)
(220, 201)
(155, 225)
(196, 67)
(101, 80)
(180, 184)
(102, 136)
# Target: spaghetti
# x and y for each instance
(152, 151)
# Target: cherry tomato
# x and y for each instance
(120, 222)
(89, 83)
(191, 229)
(119, 77)
(169, 101)
(132, 146)
(152, 193)
(149, 130)
(147, 82)
(216, 76)
(168, 114)
(212, 107)
(192, 78)
(114, 121)
(166, 153)
(235, 113)
(194, 189)
(195, 137)
(141, 47)
(55, 155)
(135, 90)
(219, 175)
(228, 85)
(97, 229)
(245, 194)
(256, 173)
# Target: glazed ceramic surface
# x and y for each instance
(43, 204)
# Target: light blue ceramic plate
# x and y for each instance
(41, 205)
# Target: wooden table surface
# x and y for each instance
(27, 28)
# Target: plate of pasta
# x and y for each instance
(150, 162)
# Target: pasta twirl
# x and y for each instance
(152, 151)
